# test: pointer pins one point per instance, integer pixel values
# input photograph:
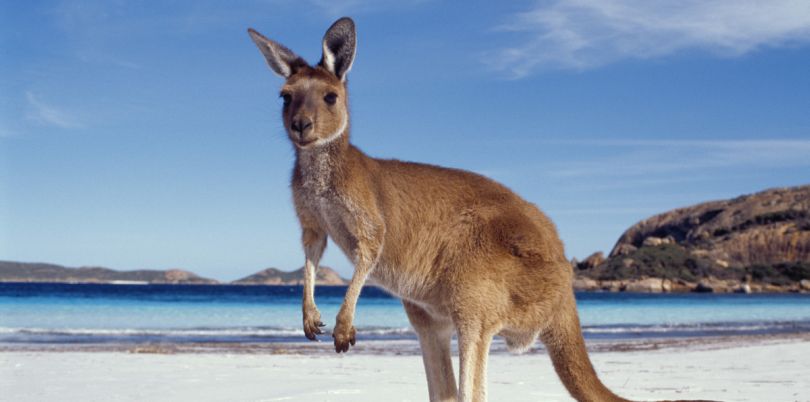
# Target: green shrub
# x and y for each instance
(780, 274)
(668, 261)
(796, 270)
(674, 262)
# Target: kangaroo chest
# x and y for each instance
(332, 214)
(317, 192)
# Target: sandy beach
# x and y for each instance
(766, 369)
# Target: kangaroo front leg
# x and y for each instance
(366, 256)
(314, 241)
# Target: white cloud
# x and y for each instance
(583, 34)
(48, 115)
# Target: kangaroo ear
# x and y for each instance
(282, 60)
(339, 45)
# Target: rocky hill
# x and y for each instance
(757, 242)
(273, 276)
(37, 272)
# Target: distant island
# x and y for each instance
(38, 272)
(273, 276)
(752, 243)
(11, 271)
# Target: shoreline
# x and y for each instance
(581, 284)
(402, 347)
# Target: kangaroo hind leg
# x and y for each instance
(434, 339)
(474, 340)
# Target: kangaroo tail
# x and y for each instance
(563, 339)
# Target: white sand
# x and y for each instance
(777, 371)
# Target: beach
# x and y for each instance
(772, 368)
(238, 343)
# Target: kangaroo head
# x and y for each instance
(316, 109)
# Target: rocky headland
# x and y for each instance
(752, 243)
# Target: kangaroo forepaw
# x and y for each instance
(312, 324)
(344, 335)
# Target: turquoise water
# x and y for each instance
(61, 313)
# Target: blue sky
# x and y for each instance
(148, 135)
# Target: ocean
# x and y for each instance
(33, 313)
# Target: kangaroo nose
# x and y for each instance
(301, 124)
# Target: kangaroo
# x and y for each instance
(464, 254)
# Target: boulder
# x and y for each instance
(714, 285)
(646, 285)
(680, 286)
(623, 249)
(771, 288)
(592, 261)
(743, 288)
(652, 241)
(703, 287)
(612, 286)
(588, 284)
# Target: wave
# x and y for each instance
(182, 335)
(694, 329)
(285, 334)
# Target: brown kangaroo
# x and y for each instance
(464, 253)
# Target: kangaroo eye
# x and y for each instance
(287, 98)
(330, 98)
